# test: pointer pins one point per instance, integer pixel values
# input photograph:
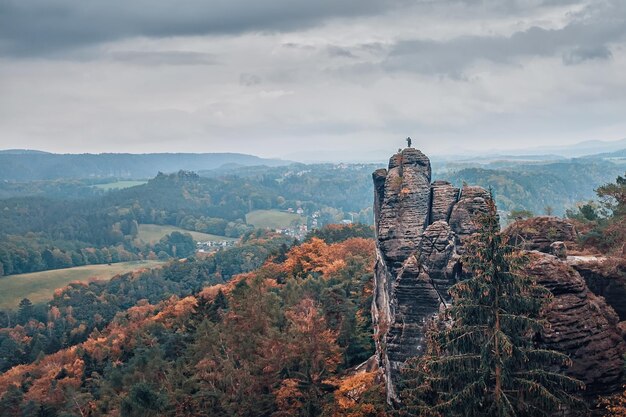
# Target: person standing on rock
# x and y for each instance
(408, 141)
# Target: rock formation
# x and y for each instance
(538, 233)
(581, 325)
(605, 276)
(421, 228)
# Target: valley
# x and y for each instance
(301, 274)
(313, 209)
(38, 287)
(273, 219)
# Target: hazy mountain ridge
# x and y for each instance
(23, 152)
(589, 148)
(32, 165)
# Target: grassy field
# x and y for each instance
(154, 232)
(118, 185)
(273, 219)
(39, 286)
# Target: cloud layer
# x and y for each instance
(291, 78)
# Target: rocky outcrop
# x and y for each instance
(438, 256)
(471, 204)
(606, 277)
(404, 205)
(581, 325)
(419, 227)
(443, 197)
(539, 233)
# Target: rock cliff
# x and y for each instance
(581, 324)
(604, 275)
(421, 228)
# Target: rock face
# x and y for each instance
(443, 197)
(605, 276)
(404, 205)
(582, 326)
(472, 202)
(421, 228)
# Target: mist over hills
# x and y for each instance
(589, 147)
(28, 165)
(21, 152)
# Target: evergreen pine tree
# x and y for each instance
(25, 310)
(218, 305)
(483, 360)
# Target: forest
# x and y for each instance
(91, 306)
(275, 328)
(269, 327)
(277, 340)
(237, 208)
(59, 223)
(43, 232)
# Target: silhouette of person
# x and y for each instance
(408, 141)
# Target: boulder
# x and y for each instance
(559, 250)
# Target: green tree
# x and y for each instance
(143, 401)
(10, 401)
(613, 196)
(587, 212)
(219, 305)
(25, 310)
(483, 361)
(609, 234)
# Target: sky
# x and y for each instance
(302, 78)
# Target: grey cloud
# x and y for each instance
(585, 38)
(295, 45)
(164, 58)
(338, 51)
(35, 27)
(83, 103)
(582, 54)
(249, 80)
(334, 51)
(373, 47)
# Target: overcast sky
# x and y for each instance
(289, 78)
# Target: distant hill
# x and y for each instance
(26, 165)
(588, 147)
(551, 153)
(22, 152)
(533, 187)
(608, 155)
